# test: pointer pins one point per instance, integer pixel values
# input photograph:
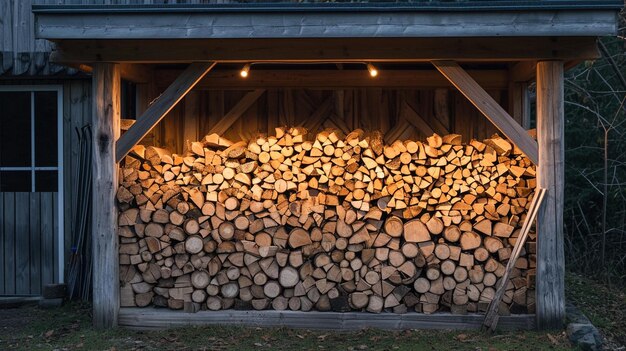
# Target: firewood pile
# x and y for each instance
(341, 223)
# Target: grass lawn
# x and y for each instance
(68, 328)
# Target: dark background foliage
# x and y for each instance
(595, 165)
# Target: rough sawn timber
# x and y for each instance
(151, 318)
(204, 23)
(335, 49)
(550, 300)
(106, 129)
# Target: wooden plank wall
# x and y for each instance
(28, 245)
(399, 114)
(20, 53)
(76, 114)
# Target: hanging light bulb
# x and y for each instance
(245, 70)
(373, 71)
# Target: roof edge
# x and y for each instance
(467, 6)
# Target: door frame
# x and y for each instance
(58, 88)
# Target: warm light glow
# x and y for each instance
(245, 70)
(373, 71)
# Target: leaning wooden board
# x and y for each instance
(491, 317)
(329, 223)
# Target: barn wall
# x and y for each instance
(398, 114)
(28, 245)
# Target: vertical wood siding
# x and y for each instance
(76, 114)
(20, 52)
(398, 114)
(28, 232)
(23, 55)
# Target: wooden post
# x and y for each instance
(550, 303)
(106, 130)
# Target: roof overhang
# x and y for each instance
(506, 19)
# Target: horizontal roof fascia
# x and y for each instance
(368, 6)
(172, 22)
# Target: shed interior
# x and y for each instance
(407, 101)
(253, 263)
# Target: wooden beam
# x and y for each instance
(550, 280)
(136, 73)
(106, 123)
(194, 23)
(488, 107)
(523, 71)
(334, 49)
(163, 104)
(233, 115)
(335, 79)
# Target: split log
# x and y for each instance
(325, 222)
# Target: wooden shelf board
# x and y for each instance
(156, 318)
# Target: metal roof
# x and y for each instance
(360, 6)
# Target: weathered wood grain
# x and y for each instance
(550, 175)
(9, 243)
(315, 24)
(106, 119)
(136, 318)
(35, 243)
(48, 237)
(58, 275)
(28, 242)
(22, 244)
(353, 50)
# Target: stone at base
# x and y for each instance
(585, 336)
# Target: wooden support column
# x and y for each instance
(106, 130)
(550, 303)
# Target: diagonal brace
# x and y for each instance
(489, 107)
(161, 106)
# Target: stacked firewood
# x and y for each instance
(334, 223)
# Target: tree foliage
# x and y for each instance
(595, 164)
